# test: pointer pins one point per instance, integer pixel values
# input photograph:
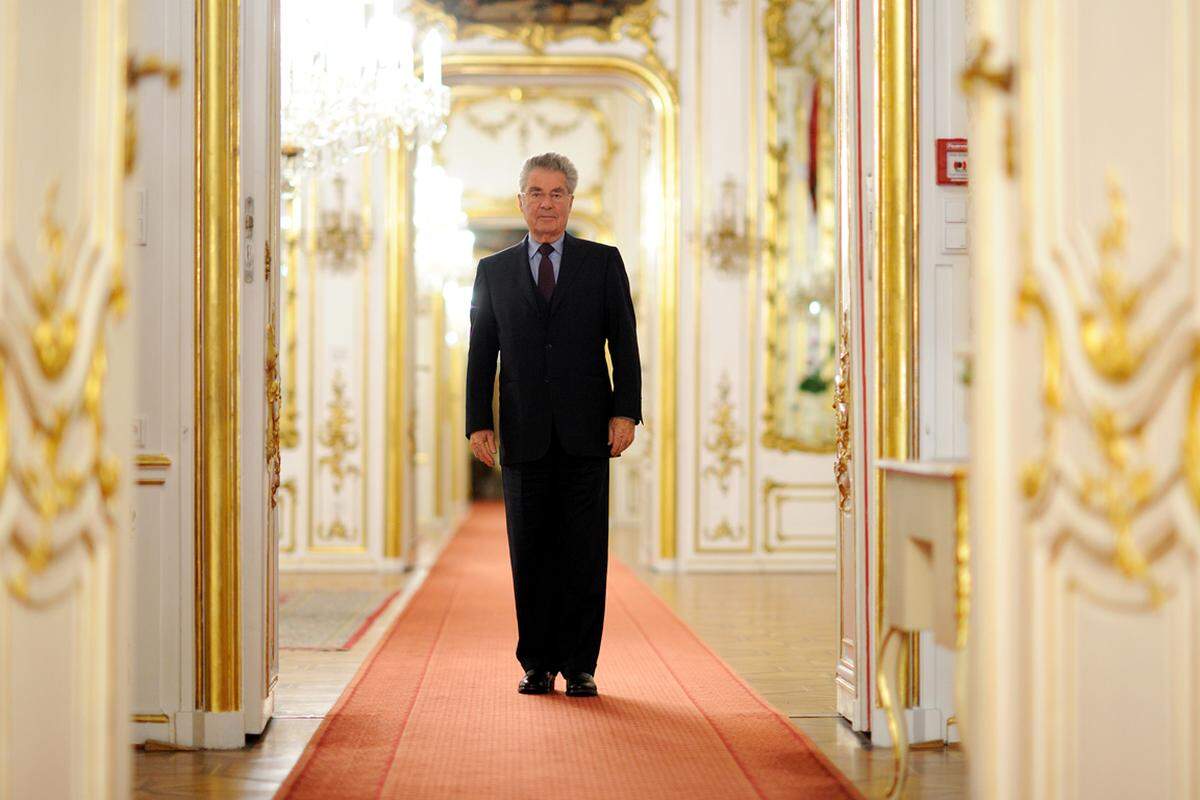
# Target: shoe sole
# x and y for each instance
(581, 693)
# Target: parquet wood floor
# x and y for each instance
(776, 630)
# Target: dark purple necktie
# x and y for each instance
(546, 271)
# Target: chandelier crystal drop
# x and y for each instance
(349, 81)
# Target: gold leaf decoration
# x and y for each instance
(337, 435)
(1107, 340)
(725, 437)
(274, 401)
(60, 472)
(841, 409)
(1119, 486)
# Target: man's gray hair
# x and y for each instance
(551, 161)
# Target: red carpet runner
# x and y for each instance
(434, 712)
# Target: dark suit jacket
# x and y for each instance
(552, 366)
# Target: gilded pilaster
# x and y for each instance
(218, 344)
(896, 241)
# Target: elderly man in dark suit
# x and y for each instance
(547, 306)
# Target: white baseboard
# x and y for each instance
(211, 730)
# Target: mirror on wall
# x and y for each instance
(800, 227)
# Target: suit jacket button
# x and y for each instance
(545, 380)
(549, 347)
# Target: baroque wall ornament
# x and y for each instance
(841, 410)
(337, 435)
(1125, 480)
(57, 481)
(723, 531)
(725, 437)
(536, 23)
(274, 401)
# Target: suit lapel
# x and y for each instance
(524, 278)
(568, 270)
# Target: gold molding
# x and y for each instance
(152, 461)
(665, 101)
(287, 543)
(151, 718)
(218, 631)
(962, 563)
(289, 427)
(399, 350)
(635, 23)
(779, 544)
(896, 264)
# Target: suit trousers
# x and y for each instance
(556, 508)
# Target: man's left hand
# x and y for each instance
(620, 434)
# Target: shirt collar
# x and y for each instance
(531, 246)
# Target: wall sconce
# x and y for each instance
(730, 244)
(342, 237)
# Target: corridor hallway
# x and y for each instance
(433, 712)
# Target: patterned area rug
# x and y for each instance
(433, 713)
(328, 619)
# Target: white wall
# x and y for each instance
(944, 283)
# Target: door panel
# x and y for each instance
(65, 398)
(260, 380)
(1085, 628)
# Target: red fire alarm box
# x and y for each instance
(952, 161)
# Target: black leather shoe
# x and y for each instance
(536, 681)
(580, 684)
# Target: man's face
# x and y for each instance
(546, 204)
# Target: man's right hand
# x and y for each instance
(483, 445)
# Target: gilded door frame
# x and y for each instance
(663, 99)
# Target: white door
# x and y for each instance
(852, 678)
(1085, 481)
(66, 383)
(260, 380)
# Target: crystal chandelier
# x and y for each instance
(349, 82)
(444, 247)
